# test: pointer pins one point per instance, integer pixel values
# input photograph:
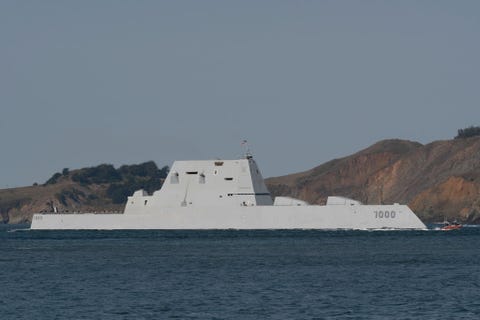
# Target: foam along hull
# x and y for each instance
(362, 217)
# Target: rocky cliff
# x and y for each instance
(17, 205)
(438, 180)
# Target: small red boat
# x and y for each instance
(451, 226)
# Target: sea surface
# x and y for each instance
(239, 274)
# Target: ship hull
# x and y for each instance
(362, 217)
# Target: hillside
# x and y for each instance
(97, 189)
(437, 180)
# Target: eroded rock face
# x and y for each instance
(18, 205)
(438, 180)
(456, 197)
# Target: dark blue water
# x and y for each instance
(239, 274)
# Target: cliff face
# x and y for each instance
(17, 205)
(437, 180)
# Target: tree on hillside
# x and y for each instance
(54, 178)
(146, 169)
(144, 176)
(104, 173)
(468, 132)
(122, 182)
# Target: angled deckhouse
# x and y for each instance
(218, 183)
(231, 194)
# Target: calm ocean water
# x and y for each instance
(239, 274)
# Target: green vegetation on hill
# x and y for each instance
(468, 132)
(122, 181)
(145, 176)
(54, 178)
(104, 173)
(100, 188)
(72, 194)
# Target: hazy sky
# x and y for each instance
(122, 82)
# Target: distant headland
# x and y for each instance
(437, 180)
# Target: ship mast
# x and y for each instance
(248, 154)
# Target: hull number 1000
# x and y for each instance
(385, 214)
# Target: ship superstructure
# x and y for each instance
(230, 194)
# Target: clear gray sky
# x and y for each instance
(122, 82)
